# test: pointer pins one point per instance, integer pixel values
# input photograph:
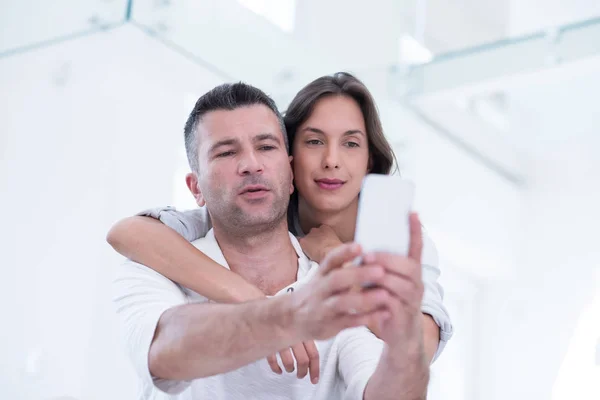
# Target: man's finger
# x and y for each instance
(272, 360)
(287, 360)
(408, 292)
(416, 238)
(348, 278)
(338, 256)
(313, 356)
(358, 302)
(350, 321)
(398, 265)
(301, 360)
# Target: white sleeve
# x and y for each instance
(433, 296)
(191, 224)
(359, 351)
(141, 295)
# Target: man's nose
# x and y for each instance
(250, 163)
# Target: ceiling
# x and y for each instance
(499, 96)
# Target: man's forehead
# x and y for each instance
(240, 123)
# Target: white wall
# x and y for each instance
(529, 323)
(91, 131)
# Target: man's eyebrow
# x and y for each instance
(266, 136)
(221, 143)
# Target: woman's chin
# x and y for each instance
(330, 206)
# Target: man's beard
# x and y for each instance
(239, 220)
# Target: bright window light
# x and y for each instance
(279, 12)
(579, 373)
(412, 52)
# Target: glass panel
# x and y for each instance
(234, 41)
(27, 23)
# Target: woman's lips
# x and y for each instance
(330, 184)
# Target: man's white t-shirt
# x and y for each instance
(141, 295)
(194, 224)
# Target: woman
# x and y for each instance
(336, 138)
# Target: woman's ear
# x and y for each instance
(370, 164)
(191, 180)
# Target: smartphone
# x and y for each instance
(384, 208)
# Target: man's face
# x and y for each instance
(245, 177)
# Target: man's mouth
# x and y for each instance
(329, 184)
(254, 191)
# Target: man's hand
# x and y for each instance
(403, 370)
(319, 242)
(404, 284)
(328, 304)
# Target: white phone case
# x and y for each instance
(383, 214)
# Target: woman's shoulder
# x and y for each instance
(191, 224)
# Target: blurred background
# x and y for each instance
(492, 106)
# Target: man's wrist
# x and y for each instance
(282, 319)
(409, 345)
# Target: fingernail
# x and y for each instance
(315, 380)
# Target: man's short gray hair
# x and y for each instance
(228, 96)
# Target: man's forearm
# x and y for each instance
(200, 340)
(400, 375)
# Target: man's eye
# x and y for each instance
(225, 154)
(268, 147)
(315, 142)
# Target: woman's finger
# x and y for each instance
(301, 360)
(314, 362)
(272, 360)
(287, 360)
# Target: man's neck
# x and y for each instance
(343, 222)
(267, 259)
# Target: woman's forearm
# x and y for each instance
(151, 243)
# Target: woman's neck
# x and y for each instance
(343, 222)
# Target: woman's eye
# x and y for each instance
(352, 144)
(314, 142)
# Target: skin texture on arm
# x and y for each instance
(150, 242)
(199, 340)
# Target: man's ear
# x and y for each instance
(191, 180)
(291, 158)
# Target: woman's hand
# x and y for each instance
(319, 242)
(307, 358)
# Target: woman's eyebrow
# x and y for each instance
(347, 133)
(311, 129)
(354, 132)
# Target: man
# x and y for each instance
(192, 349)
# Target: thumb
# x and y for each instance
(416, 238)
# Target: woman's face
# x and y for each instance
(331, 154)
